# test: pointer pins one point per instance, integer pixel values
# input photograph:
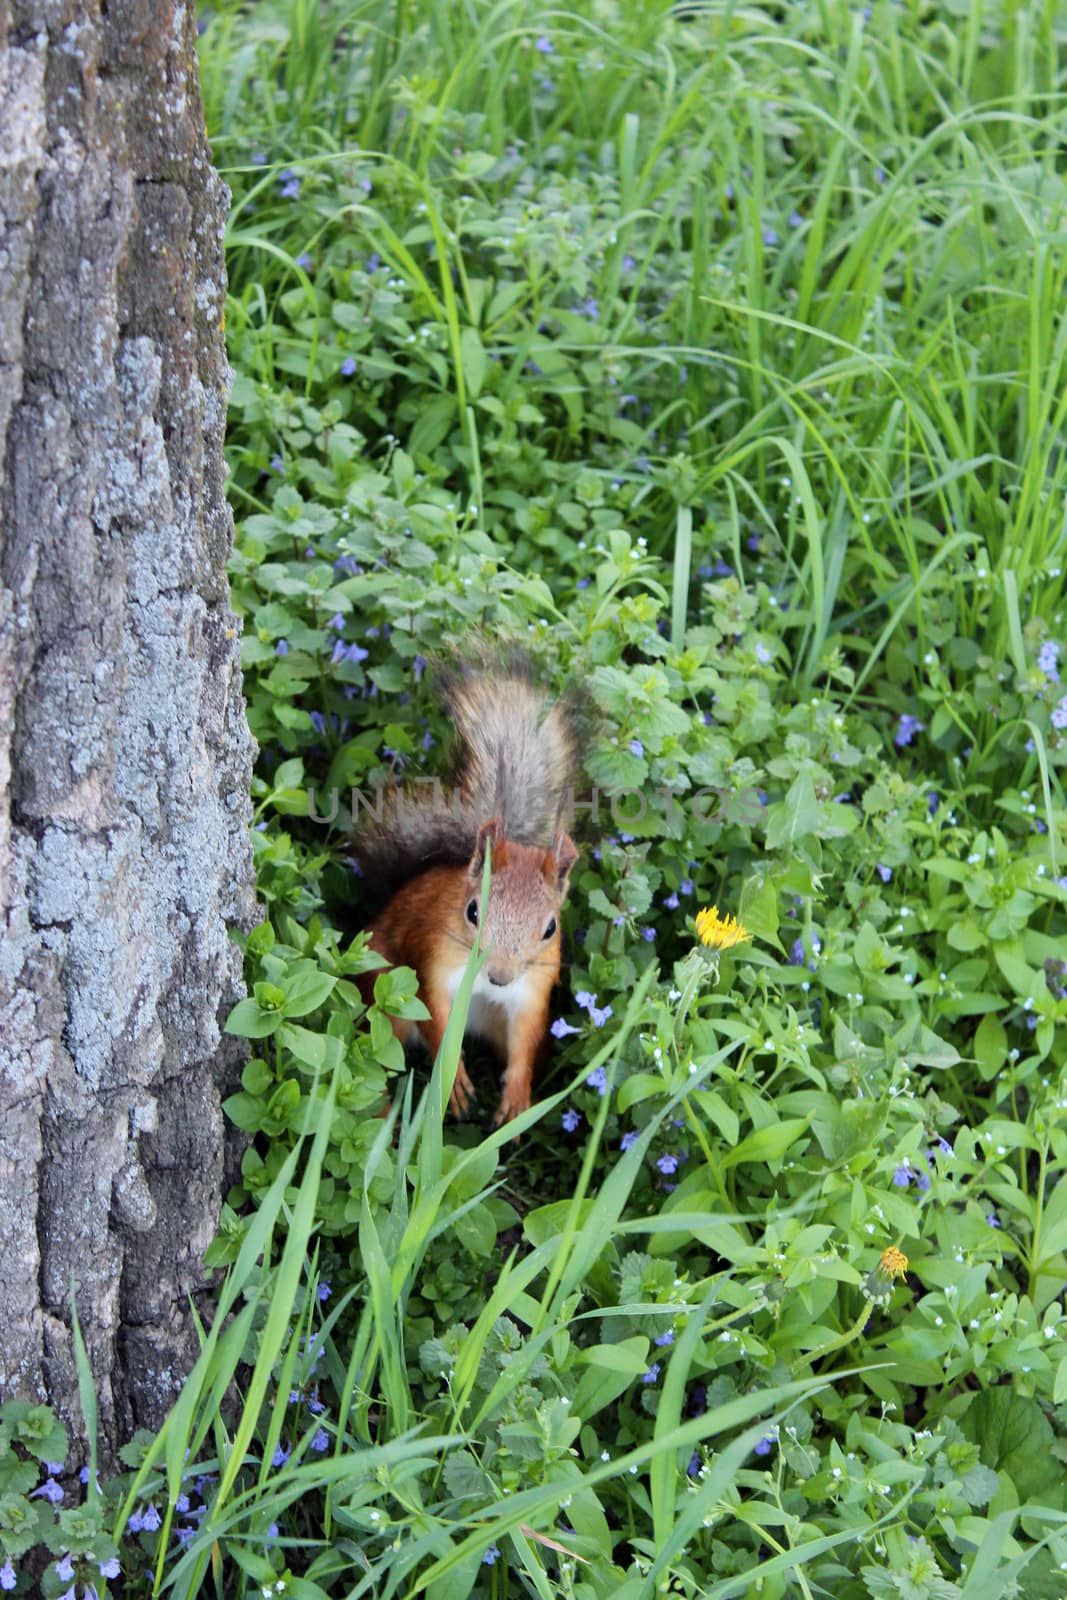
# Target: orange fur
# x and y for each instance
(426, 926)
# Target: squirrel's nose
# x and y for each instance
(501, 983)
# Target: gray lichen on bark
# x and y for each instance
(124, 752)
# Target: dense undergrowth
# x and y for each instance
(718, 353)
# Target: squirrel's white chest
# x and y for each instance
(493, 1006)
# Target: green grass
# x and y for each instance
(719, 354)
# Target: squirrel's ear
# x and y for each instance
(559, 860)
(490, 837)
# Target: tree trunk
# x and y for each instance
(124, 753)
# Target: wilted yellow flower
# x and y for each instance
(720, 933)
(893, 1262)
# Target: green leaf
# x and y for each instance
(474, 359)
(249, 1021)
(795, 816)
(309, 1048)
(1014, 1436)
(766, 1144)
(245, 1111)
(758, 908)
(990, 1046)
(306, 991)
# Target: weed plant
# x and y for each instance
(717, 351)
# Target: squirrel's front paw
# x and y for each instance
(462, 1092)
(514, 1100)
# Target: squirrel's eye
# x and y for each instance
(550, 930)
(472, 913)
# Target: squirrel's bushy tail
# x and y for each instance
(515, 758)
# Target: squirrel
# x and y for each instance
(514, 764)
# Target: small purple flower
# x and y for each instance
(671, 901)
(348, 652)
(695, 1464)
(648, 934)
(110, 1568)
(65, 1569)
(764, 655)
(628, 1140)
(428, 741)
(1047, 659)
(770, 236)
(1059, 716)
(277, 464)
(337, 622)
(764, 1446)
(885, 873)
(570, 1119)
(303, 260)
(903, 1175)
(933, 800)
(795, 219)
(627, 263)
(664, 1338)
(545, 45)
(636, 747)
(348, 565)
(324, 1291)
(943, 1148)
(922, 1182)
(667, 1163)
(491, 1555)
(318, 721)
(50, 1490)
(598, 1015)
(321, 1441)
(686, 886)
(652, 1374)
(583, 583)
(907, 728)
(258, 158)
(598, 1080)
(181, 1505)
(282, 647)
(591, 309)
(993, 1220)
(584, 999)
(289, 185)
(281, 1455)
(418, 667)
(348, 366)
(561, 1028)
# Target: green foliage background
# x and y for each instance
(718, 353)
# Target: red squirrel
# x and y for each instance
(514, 765)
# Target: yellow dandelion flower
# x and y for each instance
(720, 933)
(893, 1262)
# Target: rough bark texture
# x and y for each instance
(124, 754)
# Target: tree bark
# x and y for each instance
(124, 752)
